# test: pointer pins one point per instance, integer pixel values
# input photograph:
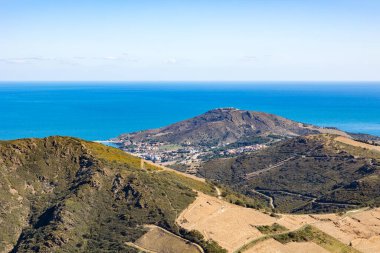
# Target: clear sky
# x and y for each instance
(249, 40)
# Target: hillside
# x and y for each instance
(224, 126)
(219, 133)
(316, 173)
(62, 194)
(240, 229)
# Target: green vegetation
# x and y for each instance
(252, 243)
(307, 233)
(285, 202)
(242, 200)
(272, 229)
(311, 174)
(62, 194)
(370, 142)
(209, 246)
(206, 188)
(312, 234)
(338, 146)
(151, 167)
(111, 154)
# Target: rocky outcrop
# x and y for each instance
(77, 196)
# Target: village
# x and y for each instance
(184, 156)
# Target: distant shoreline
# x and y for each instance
(114, 144)
(102, 112)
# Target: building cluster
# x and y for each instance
(160, 152)
(167, 154)
(240, 150)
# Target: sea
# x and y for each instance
(103, 110)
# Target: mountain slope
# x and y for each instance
(67, 195)
(223, 126)
(317, 173)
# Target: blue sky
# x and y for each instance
(252, 40)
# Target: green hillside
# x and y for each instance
(315, 173)
(66, 195)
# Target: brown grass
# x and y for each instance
(162, 241)
(354, 143)
(233, 226)
(273, 246)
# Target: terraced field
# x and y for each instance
(240, 229)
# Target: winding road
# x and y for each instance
(312, 199)
(269, 198)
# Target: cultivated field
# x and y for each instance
(161, 241)
(360, 229)
(229, 225)
(351, 142)
(234, 226)
(273, 246)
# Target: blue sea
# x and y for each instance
(99, 111)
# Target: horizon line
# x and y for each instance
(189, 81)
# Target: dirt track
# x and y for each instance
(269, 198)
(172, 170)
(255, 173)
(233, 226)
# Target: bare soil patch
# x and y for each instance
(354, 143)
(161, 241)
(233, 226)
(360, 229)
(273, 246)
(268, 246)
(229, 225)
(367, 245)
(301, 247)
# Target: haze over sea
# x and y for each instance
(99, 111)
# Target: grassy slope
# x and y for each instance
(312, 234)
(271, 229)
(159, 240)
(67, 195)
(307, 233)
